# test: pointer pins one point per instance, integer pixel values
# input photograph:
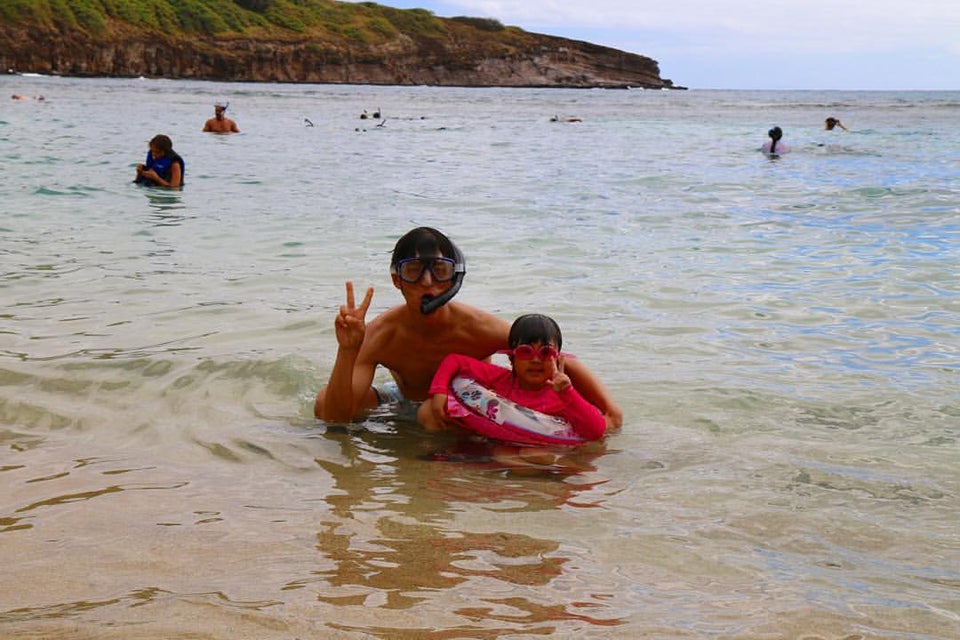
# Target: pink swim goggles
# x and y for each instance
(529, 352)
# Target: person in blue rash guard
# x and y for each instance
(163, 167)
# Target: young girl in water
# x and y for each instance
(536, 380)
(163, 167)
(773, 146)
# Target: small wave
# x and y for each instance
(70, 191)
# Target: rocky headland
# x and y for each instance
(315, 41)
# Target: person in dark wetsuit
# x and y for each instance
(163, 167)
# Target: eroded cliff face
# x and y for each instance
(461, 59)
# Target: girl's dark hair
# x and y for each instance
(535, 327)
(162, 142)
(423, 241)
(775, 134)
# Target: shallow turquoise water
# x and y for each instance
(781, 334)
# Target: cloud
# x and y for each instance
(801, 25)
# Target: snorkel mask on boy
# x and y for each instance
(442, 269)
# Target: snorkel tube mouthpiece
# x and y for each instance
(428, 306)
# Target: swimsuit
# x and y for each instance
(389, 393)
(391, 399)
(781, 148)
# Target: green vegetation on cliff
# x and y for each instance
(366, 22)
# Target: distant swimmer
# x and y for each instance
(571, 119)
(376, 114)
(828, 142)
(220, 123)
(17, 96)
(830, 123)
(773, 146)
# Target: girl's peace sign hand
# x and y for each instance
(350, 325)
(560, 380)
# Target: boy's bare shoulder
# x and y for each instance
(480, 333)
(478, 318)
(384, 327)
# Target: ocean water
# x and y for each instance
(782, 334)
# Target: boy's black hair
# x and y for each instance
(423, 241)
(535, 327)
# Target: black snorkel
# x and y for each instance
(428, 306)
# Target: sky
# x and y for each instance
(753, 44)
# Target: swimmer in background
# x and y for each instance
(163, 167)
(220, 123)
(828, 142)
(830, 123)
(773, 146)
(536, 381)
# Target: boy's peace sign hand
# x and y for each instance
(560, 380)
(350, 325)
